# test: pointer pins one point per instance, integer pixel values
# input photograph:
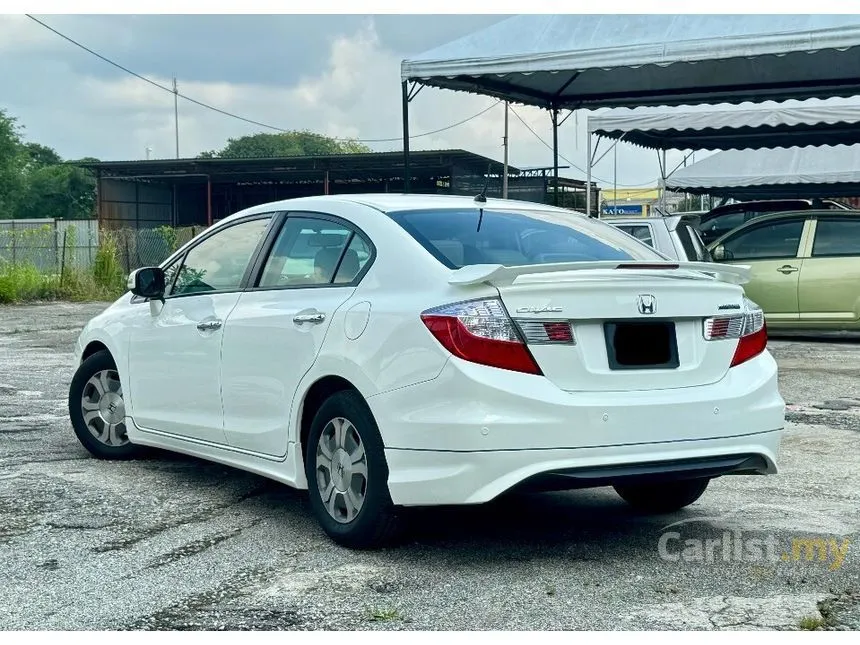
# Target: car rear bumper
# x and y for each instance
(475, 432)
(428, 478)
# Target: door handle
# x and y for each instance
(786, 269)
(314, 318)
(209, 325)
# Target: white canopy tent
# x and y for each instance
(824, 171)
(813, 123)
(561, 62)
(728, 128)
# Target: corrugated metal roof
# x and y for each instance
(573, 61)
(775, 126)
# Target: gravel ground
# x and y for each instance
(170, 542)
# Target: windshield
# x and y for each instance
(460, 237)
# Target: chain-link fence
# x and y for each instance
(49, 244)
(52, 245)
(143, 247)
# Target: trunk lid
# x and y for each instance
(634, 328)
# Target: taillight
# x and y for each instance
(480, 331)
(748, 327)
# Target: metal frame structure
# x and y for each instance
(208, 182)
(773, 127)
(570, 62)
(411, 89)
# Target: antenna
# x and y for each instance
(481, 197)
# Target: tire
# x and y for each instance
(95, 389)
(345, 456)
(665, 497)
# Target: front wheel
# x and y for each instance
(348, 475)
(97, 409)
(664, 497)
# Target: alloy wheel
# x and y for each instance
(104, 409)
(341, 470)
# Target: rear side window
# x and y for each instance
(724, 222)
(462, 237)
(693, 247)
(308, 252)
(640, 232)
(836, 237)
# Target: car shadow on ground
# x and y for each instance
(517, 525)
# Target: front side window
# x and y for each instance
(836, 237)
(461, 237)
(219, 262)
(311, 251)
(771, 240)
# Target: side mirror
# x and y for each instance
(719, 253)
(147, 282)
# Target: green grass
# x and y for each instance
(21, 283)
(811, 623)
(384, 615)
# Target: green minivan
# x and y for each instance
(805, 267)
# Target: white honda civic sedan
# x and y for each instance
(386, 351)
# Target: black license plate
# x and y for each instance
(639, 345)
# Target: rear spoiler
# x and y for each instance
(498, 274)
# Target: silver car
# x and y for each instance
(674, 236)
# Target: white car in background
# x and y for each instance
(386, 351)
(675, 236)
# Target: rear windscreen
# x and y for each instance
(461, 237)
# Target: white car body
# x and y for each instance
(454, 431)
(671, 235)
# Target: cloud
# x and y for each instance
(352, 90)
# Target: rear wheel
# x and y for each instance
(664, 497)
(97, 409)
(348, 476)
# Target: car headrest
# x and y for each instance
(325, 262)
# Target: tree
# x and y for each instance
(287, 144)
(12, 161)
(39, 156)
(60, 191)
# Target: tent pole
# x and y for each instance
(588, 176)
(554, 115)
(615, 179)
(407, 175)
(663, 184)
(505, 177)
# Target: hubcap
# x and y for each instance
(341, 469)
(104, 409)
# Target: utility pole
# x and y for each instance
(176, 113)
(505, 140)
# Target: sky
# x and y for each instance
(338, 75)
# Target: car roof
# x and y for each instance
(818, 212)
(766, 202)
(671, 221)
(806, 213)
(391, 202)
